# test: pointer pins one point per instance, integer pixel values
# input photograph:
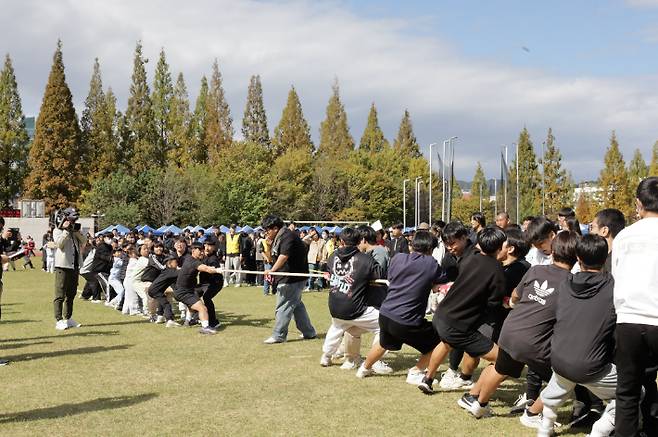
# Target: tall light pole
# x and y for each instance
(430, 202)
(443, 182)
(404, 202)
(518, 194)
(505, 177)
(543, 178)
(448, 192)
(417, 212)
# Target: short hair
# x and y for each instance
(539, 229)
(233, 226)
(397, 226)
(479, 217)
(440, 223)
(196, 245)
(423, 242)
(491, 239)
(158, 244)
(566, 212)
(350, 236)
(592, 251)
(453, 231)
(516, 239)
(528, 218)
(182, 240)
(563, 247)
(367, 233)
(272, 221)
(611, 218)
(574, 225)
(647, 194)
(503, 214)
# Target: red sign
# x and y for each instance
(10, 213)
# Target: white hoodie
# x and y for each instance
(635, 269)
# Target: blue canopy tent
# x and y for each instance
(121, 229)
(224, 229)
(187, 228)
(210, 230)
(305, 228)
(247, 229)
(198, 228)
(145, 229)
(259, 229)
(174, 229)
(108, 229)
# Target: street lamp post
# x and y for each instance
(445, 204)
(452, 166)
(518, 194)
(417, 212)
(430, 199)
(543, 178)
(404, 202)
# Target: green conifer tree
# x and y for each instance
(373, 138)
(335, 138)
(529, 180)
(14, 141)
(198, 150)
(105, 130)
(57, 172)
(637, 170)
(93, 103)
(141, 142)
(653, 167)
(293, 131)
(613, 180)
(219, 124)
(406, 141)
(480, 188)
(180, 150)
(254, 121)
(558, 190)
(161, 98)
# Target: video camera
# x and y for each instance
(69, 215)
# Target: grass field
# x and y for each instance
(122, 376)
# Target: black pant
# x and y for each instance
(637, 350)
(66, 286)
(208, 292)
(92, 289)
(164, 307)
(455, 357)
(533, 382)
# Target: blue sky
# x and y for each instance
(459, 67)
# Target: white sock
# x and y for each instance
(204, 323)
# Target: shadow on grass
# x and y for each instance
(78, 351)
(11, 304)
(12, 322)
(20, 345)
(62, 335)
(76, 408)
(127, 322)
(228, 318)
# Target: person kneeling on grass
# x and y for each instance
(477, 291)
(526, 335)
(186, 285)
(156, 291)
(402, 314)
(351, 273)
(583, 343)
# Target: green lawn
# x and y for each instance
(120, 375)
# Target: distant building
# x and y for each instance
(29, 126)
(588, 189)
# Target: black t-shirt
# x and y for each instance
(288, 243)
(182, 258)
(187, 276)
(411, 277)
(527, 331)
(349, 286)
(165, 279)
(210, 278)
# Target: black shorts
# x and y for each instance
(187, 297)
(392, 335)
(473, 343)
(506, 365)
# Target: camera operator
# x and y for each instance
(68, 259)
(4, 236)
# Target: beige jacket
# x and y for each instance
(65, 245)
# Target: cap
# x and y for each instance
(423, 227)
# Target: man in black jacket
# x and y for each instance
(351, 273)
(101, 265)
(398, 243)
(583, 344)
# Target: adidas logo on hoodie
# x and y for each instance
(542, 291)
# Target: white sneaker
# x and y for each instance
(603, 427)
(363, 372)
(172, 324)
(381, 368)
(160, 319)
(530, 421)
(325, 360)
(450, 380)
(61, 325)
(96, 301)
(70, 323)
(237, 285)
(415, 376)
(272, 340)
(479, 411)
(349, 364)
(108, 304)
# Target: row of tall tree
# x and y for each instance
(163, 160)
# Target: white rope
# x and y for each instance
(299, 275)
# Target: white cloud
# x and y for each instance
(309, 43)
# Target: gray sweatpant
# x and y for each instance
(560, 389)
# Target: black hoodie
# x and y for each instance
(349, 285)
(583, 342)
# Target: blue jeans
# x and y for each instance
(288, 304)
(266, 284)
(309, 283)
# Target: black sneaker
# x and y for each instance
(466, 401)
(585, 419)
(4, 362)
(426, 385)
